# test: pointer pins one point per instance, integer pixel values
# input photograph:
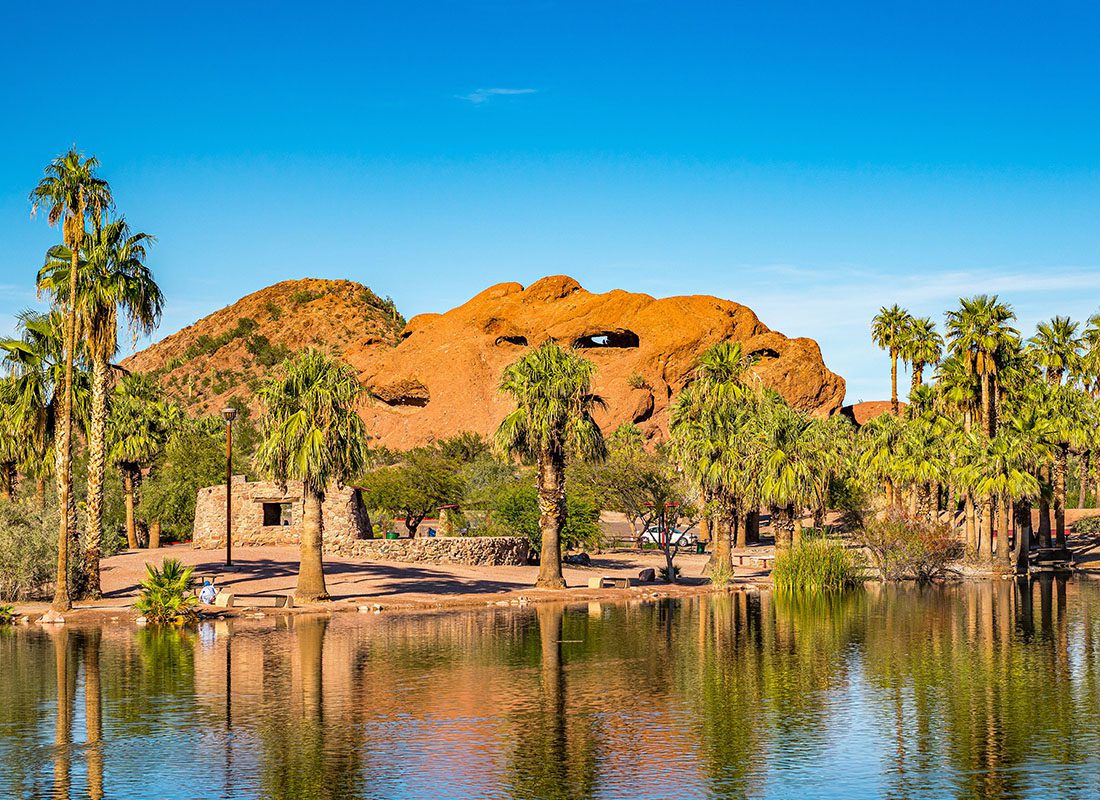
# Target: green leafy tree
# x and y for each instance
(551, 387)
(70, 192)
(311, 432)
(113, 281)
(416, 488)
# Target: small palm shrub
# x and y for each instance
(7, 615)
(663, 572)
(818, 564)
(166, 594)
(903, 547)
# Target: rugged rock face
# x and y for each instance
(443, 376)
(439, 374)
(225, 354)
(859, 413)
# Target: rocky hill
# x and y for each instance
(439, 374)
(225, 355)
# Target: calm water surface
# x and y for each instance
(964, 691)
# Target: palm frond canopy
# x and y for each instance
(552, 389)
(310, 429)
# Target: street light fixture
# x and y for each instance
(229, 414)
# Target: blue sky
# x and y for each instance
(813, 161)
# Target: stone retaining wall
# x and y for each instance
(470, 550)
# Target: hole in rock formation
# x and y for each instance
(403, 393)
(620, 338)
(520, 340)
(764, 353)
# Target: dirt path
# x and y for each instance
(390, 585)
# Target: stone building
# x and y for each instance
(264, 514)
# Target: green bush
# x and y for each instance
(518, 509)
(266, 353)
(902, 547)
(818, 564)
(28, 549)
(273, 309)
(166, 594)
(1088, 525)
(7, 615)
(303, 296)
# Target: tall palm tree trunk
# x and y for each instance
(1004, 552)
(1022, 545)
(753, 534)
(61, 599)
(744, 520)
(1083, 476)
(1060, 468)
(129, 483)
(551, 491)
(97, 465)
(894, 381)
(7, 481)
(311, 573)
(918, 378)
(782, 522)
(971, 526)
(987, 528)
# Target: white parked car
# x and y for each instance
(681, 538)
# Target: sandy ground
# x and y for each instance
(273, 571)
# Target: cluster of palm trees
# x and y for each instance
(746, 448)
(59, 374)
(995, 432)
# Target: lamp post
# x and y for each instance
(229, 414)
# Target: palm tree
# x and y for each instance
(112, 278)
(784, 456)
(889, 331)
(1073, 420)
(921, 346)
(36, 367)
(140, 423)
(706, 424)
(69, 191)
(1055, 347)
(13, 440)
(1000, 472)
(978, 332)
(552, 421)
(312, 433)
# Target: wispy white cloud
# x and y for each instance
(481, 95)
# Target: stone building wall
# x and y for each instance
(345, 517)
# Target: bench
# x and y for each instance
(269, 600)
(230, 600)
(607, 582)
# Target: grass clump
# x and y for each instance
(166, 594)
(818, 565)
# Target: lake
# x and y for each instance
(969, 690)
